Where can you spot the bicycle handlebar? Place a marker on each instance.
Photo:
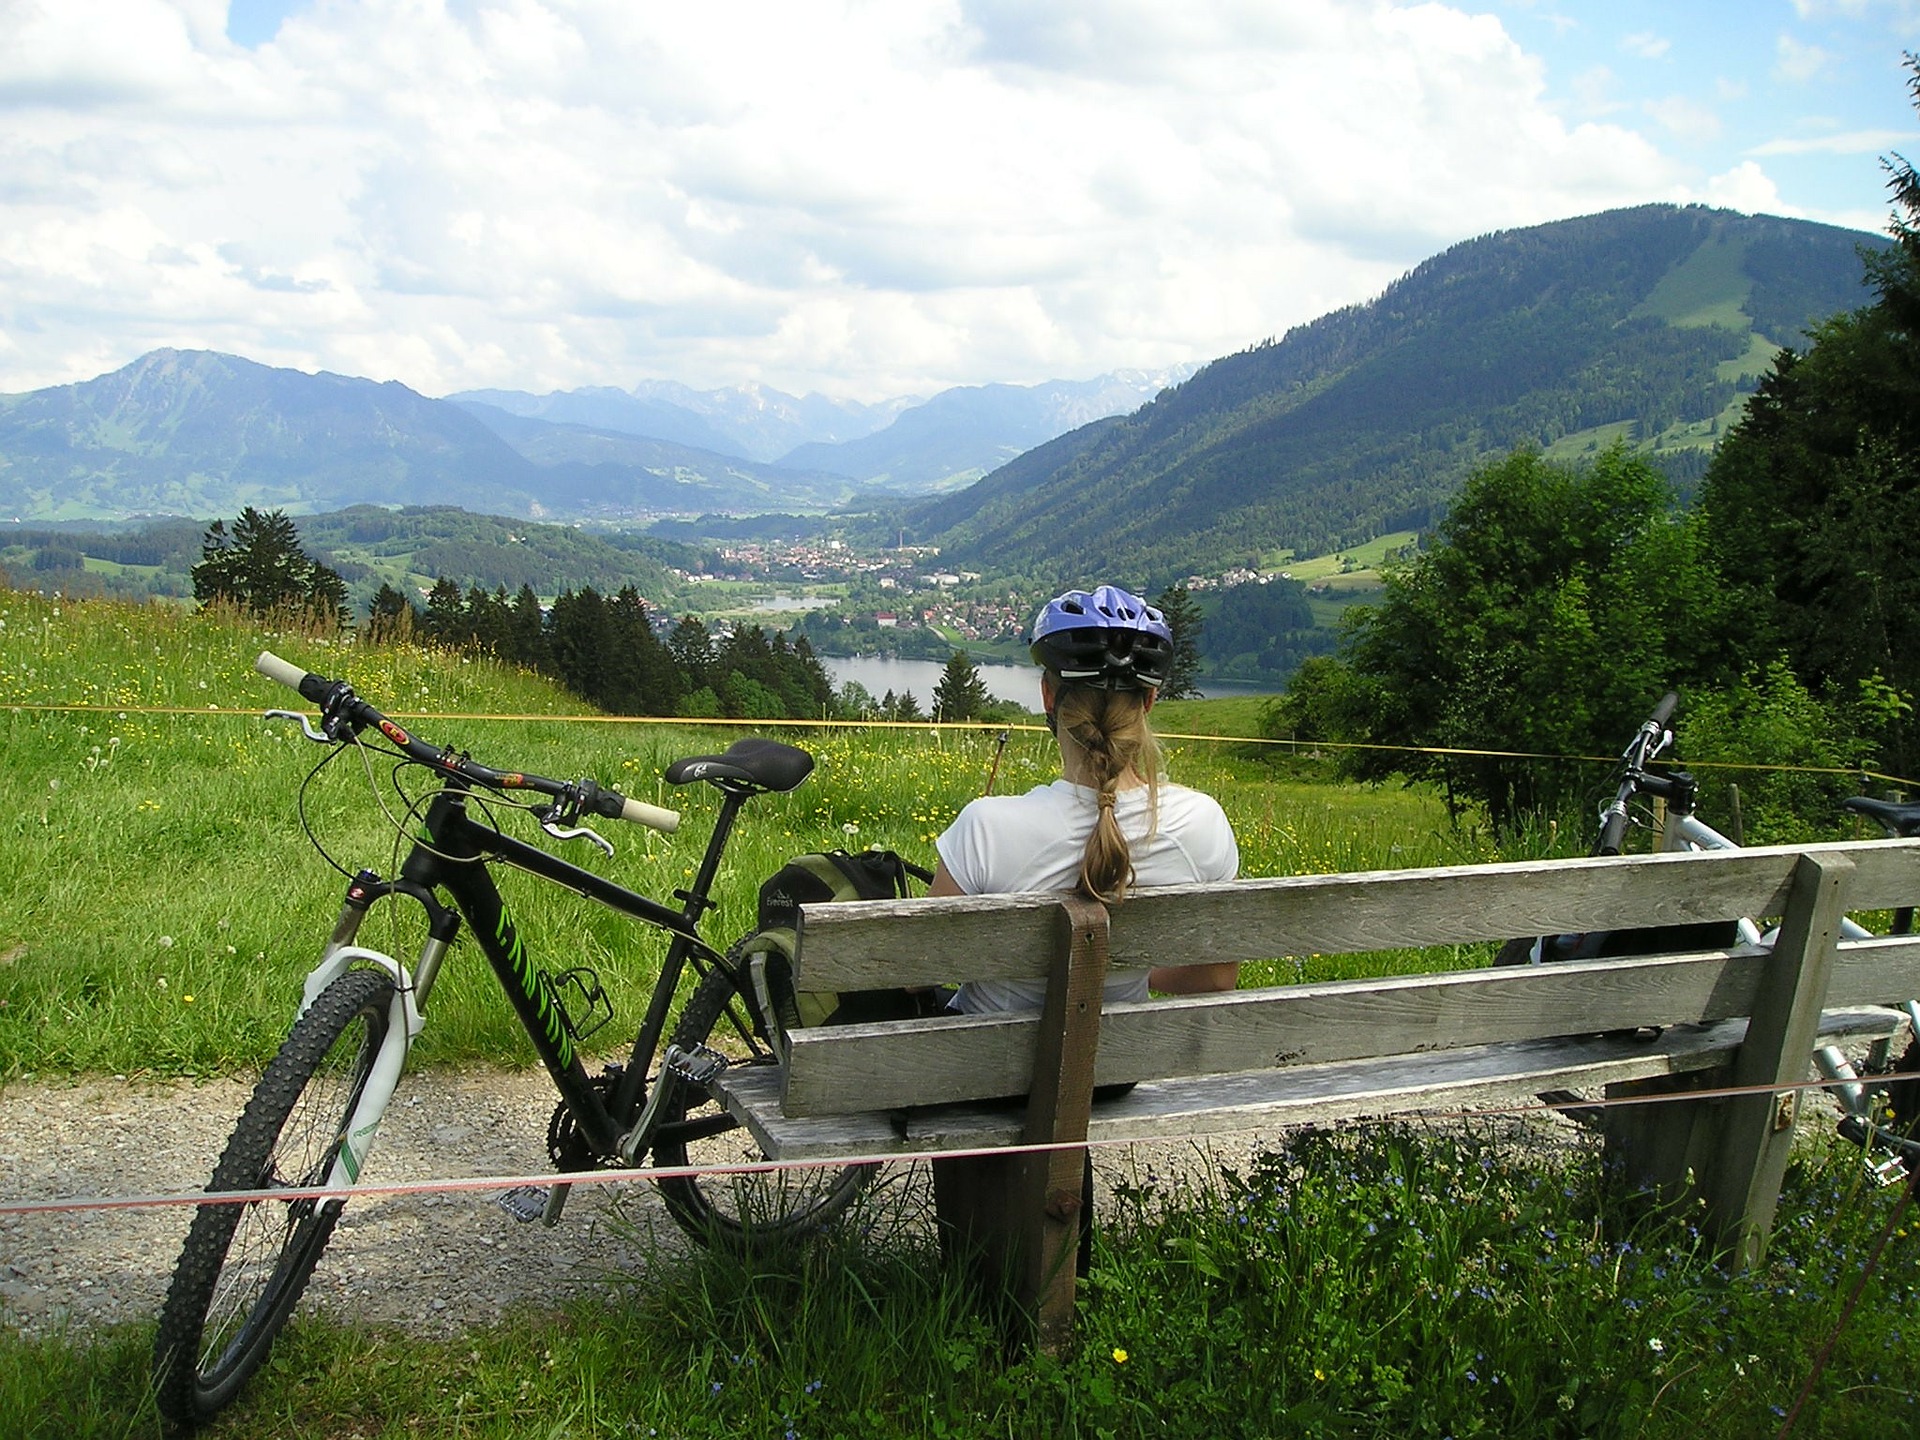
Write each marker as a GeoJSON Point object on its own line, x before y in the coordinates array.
{"type": "Point", "coordinates": [1647, 742]}
{"type": "Point", "coordinates": [341, 711]}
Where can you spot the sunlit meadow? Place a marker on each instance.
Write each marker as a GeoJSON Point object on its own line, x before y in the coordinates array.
{"type": "Point", "coordinates": [164, 900]}
{"type": "Point", "coordinates": [165, 896]}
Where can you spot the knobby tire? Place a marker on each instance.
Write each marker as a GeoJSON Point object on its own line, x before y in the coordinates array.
{"type": "Point", "coordinates": [243, 1267]}
{"type": "Point", "coordinates": [734, 1212]}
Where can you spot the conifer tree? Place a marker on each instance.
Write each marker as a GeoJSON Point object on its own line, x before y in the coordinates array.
{"type": "Point", "coordinates": [961, 693]}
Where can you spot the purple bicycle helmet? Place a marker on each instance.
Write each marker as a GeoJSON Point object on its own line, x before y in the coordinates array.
{"type": "Point", "coordinates": [1105, 637]}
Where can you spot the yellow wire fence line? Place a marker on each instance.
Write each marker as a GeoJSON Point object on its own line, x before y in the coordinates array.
{"type": "Point", "coordinates": [716, 721]}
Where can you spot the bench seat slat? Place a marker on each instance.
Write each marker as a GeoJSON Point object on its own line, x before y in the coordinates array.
{"type": "Point", "coordinates": [877, 943]}
{"type": "Point", "coordinates": [1290, 1095]}
{"type": "Point", "coordinates": [847, 1069]}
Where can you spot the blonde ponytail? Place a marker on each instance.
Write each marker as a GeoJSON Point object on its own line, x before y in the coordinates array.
{"type": "Point", "coordinates": [1109, 728]}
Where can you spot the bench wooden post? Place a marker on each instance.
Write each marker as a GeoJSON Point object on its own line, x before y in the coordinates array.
{"type": "Point", "coordinates": [1732, 1152]}
{"type": "Point", "coordinates": [1021, 1215]}
{"type": "Point", "coordinates": [1743, 1186]}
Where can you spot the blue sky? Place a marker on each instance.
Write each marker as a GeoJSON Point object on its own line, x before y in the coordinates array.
{"type": "Point", "coordinates": [1811, 93]}
{"type": "Point", "coordinates": [866, 199]}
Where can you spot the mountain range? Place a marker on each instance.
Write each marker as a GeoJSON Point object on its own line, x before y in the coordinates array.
{"type": "Point", "coordinates": [1646, 325]}
{"type": "Point", "coordinates": [181, 432]}
{"type": "Point", "coordinates": [904, 446]}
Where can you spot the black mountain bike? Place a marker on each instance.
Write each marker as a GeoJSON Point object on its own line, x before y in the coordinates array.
{"type": "Point", "coordinates": [316, 1109]}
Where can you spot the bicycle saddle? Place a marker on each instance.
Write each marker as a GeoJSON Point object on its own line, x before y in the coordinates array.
{"type": "Point", "coordinates": [1901, 817]}
{"type": "Point", "coordinates": [761, 764]}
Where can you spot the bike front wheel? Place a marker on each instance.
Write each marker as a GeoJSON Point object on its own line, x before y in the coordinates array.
{"type": "Point", "coordinates": [734, 1211]}
{"type": "Point", "coordinates": [244, 1265]}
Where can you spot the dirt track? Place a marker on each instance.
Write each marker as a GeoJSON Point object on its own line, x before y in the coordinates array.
{"type": "Point", "coordinates": [435, 1263]}
{"type": "Point", "coordinates": [442, 1262]}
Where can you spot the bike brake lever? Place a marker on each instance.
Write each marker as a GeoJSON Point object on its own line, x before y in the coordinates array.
{"type": "Point", "coordinates": [306, 725]}
{"type": "Point", "coordinates": [579, 832]}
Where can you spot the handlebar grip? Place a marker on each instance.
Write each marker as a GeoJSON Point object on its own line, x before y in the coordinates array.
{"type": "Point", "coordinates": [312, 687]}
{"type": "Point", "coordinates": [1663, 712]}
{"type": "Point", "coordinates": [274, 668]}
{"type": "Point", "coordinates": [638, 812]}
{"type": "Point", "coordinates": [1613, 833]}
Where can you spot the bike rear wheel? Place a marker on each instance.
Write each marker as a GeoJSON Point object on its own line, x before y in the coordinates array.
{"type": "Point", "coordinates": [244, 1266]}
{"type": "Point", "coordinates": [736, 1211]}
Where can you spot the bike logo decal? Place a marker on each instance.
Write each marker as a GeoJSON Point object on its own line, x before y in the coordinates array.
{"type": "Point", "coordinates": [394, 733]}
{"type": "Point", "coordinates": [534, 986]}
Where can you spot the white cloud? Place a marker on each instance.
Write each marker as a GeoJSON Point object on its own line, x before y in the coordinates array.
{"type": "Point", "coordinates": [820, 194]}
{"type": "Point", "coordinates": [1685, 117]}
{"type": "Point", "coordinates": [1797, 62]}
{"type": "Point", "coordinates": [1646, 45]}
{"type": "Point", "coordinates": [1850, 142]}
{"type": "Point", "coordinates": [1746, 187]}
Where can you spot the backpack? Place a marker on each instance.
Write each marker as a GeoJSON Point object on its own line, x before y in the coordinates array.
{"type": "Point", "coordinates": [824, 877]}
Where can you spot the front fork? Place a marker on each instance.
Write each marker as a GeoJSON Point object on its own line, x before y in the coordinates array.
{"type": "Point", "coordinates": [405, 1017]}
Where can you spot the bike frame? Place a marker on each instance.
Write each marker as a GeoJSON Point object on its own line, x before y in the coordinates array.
{"type": "Point", "coordinates": [454, 855]}
{"type": "Point", "coordinates": [1686, 831]}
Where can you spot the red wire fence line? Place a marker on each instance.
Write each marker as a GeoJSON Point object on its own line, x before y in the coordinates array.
{"type": "Point", "coordinates": [649, 1174]}
{"type": "Point", "coordinates": [976, 726]}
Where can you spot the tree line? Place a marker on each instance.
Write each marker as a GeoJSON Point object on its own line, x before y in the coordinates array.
{"type": "Point", "coordinates": [612, 650]}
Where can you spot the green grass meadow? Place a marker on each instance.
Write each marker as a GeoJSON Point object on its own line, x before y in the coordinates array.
{"type": "Point", "coordinates": [165, 899]}
{"type": "Point", "coordinates": [164, 902]}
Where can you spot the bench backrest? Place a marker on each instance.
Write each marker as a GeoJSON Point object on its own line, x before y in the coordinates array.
{"type": "Point", "coordinates": [872, 944]}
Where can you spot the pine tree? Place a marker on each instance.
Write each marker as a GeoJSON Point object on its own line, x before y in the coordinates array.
{"type": "Point", "coordinates": [445, 622]}
{"type": "Point", "coordinates": [961, 693]}
{"type": "Point", "coordinates": [1186, 622]}
{"type": "Point", "coordinates": [260, 566]}
{"type": "Point", "coordinates": [391, 618]}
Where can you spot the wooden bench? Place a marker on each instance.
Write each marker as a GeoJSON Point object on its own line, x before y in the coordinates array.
{"type": "Point", "coordinates": [1335, 1051]}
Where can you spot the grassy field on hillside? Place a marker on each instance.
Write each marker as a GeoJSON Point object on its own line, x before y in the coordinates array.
{"type": "Point", "coordinates": [165, 902]}
{"type": "Point", "coordinates": [1365, 1280]}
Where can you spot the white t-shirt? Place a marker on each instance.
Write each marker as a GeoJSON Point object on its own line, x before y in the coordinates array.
{"type": "Point", "coordinates": [1012, 843]}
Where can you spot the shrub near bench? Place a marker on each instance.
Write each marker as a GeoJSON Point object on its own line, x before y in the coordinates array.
{"type": "Point", "coordinates": [1210, 1064]}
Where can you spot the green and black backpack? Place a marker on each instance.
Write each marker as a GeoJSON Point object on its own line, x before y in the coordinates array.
{"type": "Point", "coordinates": [824, 877]}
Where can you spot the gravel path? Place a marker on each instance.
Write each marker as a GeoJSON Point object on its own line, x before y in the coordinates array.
{"type": "Point", "coordinates": [444, 1262]}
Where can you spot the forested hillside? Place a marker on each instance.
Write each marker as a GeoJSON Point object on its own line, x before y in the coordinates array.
{"type": "Point", "coordinates": [1651, 322]}
{"type": "Point", "coordinates": [368, 547]}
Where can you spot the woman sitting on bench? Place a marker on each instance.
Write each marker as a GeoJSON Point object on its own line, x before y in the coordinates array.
{"type": "Point", "coordinates": [1112, 821]}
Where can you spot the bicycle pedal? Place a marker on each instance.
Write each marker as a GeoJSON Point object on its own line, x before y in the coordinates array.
{"type": "Point", "coordinates": [1887, 1170]}
{"type": "Point", "coordinates": [697, 1066]}
{"type": "Point", "coordinates": [525, 1203]}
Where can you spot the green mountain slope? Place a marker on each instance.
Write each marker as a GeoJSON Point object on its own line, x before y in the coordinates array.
{"type": "Point", "coordinates": [1649, 322]}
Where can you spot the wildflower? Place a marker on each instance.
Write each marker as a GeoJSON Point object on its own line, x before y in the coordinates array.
{"type": "Point", "coordinates": [187, 999]}
{"type": "Point", "coordinates": [1119, 1356]}
{"type": "Point", "coordinates": [1656, 1345]}
{"type": "Point", "coordinates": [166, 942]}
{"type": "Point", "coordinates": [1318, 1373]}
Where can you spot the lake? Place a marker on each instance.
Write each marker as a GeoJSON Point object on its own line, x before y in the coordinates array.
{"type": "Point", "coordinates": [1018, 683]}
